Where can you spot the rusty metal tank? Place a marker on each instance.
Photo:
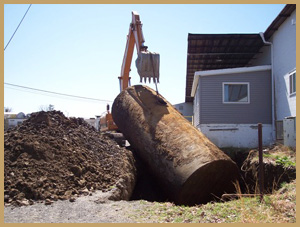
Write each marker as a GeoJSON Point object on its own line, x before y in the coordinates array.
{"type": "Point", "coordinates": [188, 166]}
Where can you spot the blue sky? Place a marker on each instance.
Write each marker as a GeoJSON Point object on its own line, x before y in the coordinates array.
{"type": "Point", "coordinates": [78, 49]}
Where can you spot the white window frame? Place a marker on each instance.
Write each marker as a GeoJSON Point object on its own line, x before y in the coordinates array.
{"type": "Point", "coordinates": [293, 82]}
{"type": "Point", "coordinates": [235, 83]}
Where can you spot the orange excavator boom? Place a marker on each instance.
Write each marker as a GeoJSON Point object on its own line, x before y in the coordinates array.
{"type": "Point", "coordinates": [147, 64]}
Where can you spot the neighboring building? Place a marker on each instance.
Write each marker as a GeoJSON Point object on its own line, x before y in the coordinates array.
{"type": "Point", "coordinates": [236, 81]}
{"type": "Point", "coordinates": [12, 120]}
{"type": "Point", "coordinates": [186, 109]}
{"type": "Point", "coordinates": [95, 122]}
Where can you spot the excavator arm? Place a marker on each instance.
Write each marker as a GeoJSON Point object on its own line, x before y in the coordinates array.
{"type": "Point", "coordinates": [147, 63]}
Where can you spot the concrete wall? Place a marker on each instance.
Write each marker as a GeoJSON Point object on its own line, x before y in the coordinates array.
{"type": "Point", "coordinates": [236, 135]}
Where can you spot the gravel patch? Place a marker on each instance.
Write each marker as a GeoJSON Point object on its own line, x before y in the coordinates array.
{"type": "Point", "coordinates": [85, 209]}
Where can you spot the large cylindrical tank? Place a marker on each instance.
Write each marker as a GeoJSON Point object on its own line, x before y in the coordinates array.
{"type": "Point", "coordinates": [188, 166]}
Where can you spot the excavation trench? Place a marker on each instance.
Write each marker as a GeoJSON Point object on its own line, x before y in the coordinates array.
{"type": "Point", "coordinates": [275, 172]}
{"type": "Point", "coordinates": [148, 188]}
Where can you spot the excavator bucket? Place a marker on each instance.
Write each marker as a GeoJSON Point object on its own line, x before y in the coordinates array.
{"type": "Point", "coordinates": [147, 65]}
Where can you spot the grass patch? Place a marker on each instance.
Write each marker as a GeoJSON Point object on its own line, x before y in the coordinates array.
{"type": "Point", "coordinates": [284, 161]}
{"type": "Point", "coordinates": [279, 207]}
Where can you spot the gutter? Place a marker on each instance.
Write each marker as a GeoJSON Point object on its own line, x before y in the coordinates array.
{"type": "Point", "coordinates": [272, 85]}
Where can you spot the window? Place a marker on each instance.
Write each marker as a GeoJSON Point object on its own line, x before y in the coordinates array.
{"type": "Point", "coordinates": [236, 92]}
{"type": "Point", "coordinates": [292, 79]}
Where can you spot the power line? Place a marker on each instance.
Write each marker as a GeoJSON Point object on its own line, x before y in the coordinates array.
{"type": "Point", "coordinates": [57, 93]}
{"type": "Point", "coordinates": [46, 94]}
{"type": "Point", "coordinates": [17, 27]}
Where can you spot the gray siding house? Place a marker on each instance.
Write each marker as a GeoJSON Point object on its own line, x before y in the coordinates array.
{"type": "Point", "coordinates": [236, 81]}
{"type": "Point", "coordinates": [229, 103]}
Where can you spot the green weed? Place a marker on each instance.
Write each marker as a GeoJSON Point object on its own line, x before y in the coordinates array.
{"type": "Point", "coordinates": [284, 161]}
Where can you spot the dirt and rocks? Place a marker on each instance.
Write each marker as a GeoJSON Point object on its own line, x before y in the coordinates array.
{"type": "Point", "coordinates": [279, 166]}
{"type": "Point", "coordinates": [95, 208]}
{"type": "Point", "coordinates": [50, 157]}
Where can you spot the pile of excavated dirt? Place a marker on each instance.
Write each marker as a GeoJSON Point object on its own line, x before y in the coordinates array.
{"type": "Point", "coordinates": [50, 157]}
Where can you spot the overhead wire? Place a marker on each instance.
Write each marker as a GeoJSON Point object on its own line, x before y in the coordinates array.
{"type": "Point", "coordinates": [47, 94]}
{"type": "Point", "coordinates": [57, 93]}
{"type": "Point", "coordinates": [17, 27]}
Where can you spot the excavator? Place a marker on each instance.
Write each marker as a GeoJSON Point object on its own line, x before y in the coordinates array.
{"type": "Point", "coordinates": [147, 64]}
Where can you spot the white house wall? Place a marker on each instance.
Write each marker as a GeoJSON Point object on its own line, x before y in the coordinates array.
{"type": "Point", "coordinates": [284, 51]}
{"type": "Point", "coordinates": [284, 42]}
{"type": "Point", "coordinates": [236, 135]}
{"type": "Point", "coordinates": [291, 102]}
{"type": "Point", "coordinates": [196, 108]}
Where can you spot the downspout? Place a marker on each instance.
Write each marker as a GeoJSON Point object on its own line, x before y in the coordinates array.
{"type": "Point", "coordinates": [272, 85]}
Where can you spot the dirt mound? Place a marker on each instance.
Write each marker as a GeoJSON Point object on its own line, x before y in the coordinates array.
{"type": "Point", "coordinates": [50, 157]}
